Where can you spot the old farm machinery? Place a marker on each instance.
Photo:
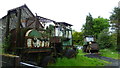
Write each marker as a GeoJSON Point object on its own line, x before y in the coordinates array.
{"type": "Point", "coordinates": [36, 42]}
{"type": "Point", "coordinates": [90, 45]}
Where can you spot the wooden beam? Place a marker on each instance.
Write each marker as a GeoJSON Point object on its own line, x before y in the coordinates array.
{"type": "Point", "coordinates": [18, 40]}
{"type": "Point", "coordinates": [7, 25]}
{"type": "Point", "coordinates": [36, 22]}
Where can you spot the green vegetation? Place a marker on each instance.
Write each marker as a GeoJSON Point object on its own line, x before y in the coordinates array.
{"type": "Point", "coordinates": [110, 53]}
{"type": "Point", "coordinates": [107, 40]}
{"type": "Point", "coordinates": [99, 27]}
{"type": "Point", "coordinates": [1, 50]}
{"type": "Point", "coordinates": [6, 44]}
{"type": "Point", "coordinates": [115, 21]}
{"type": "Point", "coordinates": [80, 60]}
{"type": "Point", "coordinates": [77, 38]}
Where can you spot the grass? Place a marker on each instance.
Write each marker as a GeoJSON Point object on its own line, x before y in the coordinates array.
{"type": "Point", "coordinates": [80, 60]}
{"type": "Point", "coordinates": [110, 53]}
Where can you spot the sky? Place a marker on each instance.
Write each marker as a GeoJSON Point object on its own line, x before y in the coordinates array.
{"type": "Point", "coordinates": [69, 11]}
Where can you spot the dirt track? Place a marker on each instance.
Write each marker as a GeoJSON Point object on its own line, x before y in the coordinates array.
{"type": "Point", "coordinates": [115, 62]}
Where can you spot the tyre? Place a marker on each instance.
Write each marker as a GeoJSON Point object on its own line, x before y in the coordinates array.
{"type": "Point", "coordinates": [70, 53]}
{"type": "Point", "coordinates": [47, 61]}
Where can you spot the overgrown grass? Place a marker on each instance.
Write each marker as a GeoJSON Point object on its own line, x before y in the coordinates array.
{"type": "Point", "coordinates": [80, 60]}
{"type": "Point", "coordinates": [110, 53]}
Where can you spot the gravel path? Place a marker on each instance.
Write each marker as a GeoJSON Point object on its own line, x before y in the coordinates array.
{"type": "Point", "coordinates": [115, 62]}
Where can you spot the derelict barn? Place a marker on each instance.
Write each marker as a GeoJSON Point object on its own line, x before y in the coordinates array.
{"type": "Point", "coordinates": [27, 20]}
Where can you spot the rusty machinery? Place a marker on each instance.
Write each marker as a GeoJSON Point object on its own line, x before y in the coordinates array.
{"type": "Point", "coordinates": [90, 45]}
{"type": "Point", "coordinates": [33, 42]}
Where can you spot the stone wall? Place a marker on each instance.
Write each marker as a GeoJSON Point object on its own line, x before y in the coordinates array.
{"type": "Point", "coordinates": [10, 61]}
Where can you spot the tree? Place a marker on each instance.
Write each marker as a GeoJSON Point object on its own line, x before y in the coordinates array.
{"type": "Point", "coordinates": [88, 27]}
{"type": "Point", "coordinates": [99, 25]}
{"type": "Point", "coordinates": [77, 38]}
{"type": "Point", "coordinates": [94, 26]}
{"type": "Point", "coordinates": [115, 20]}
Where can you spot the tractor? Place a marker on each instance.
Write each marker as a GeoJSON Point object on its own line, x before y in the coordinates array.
{"type": "Point", "coordinates": [90, 45]}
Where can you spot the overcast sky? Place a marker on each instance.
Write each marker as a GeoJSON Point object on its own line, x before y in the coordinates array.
{"type": "Point", "coordinates": [70, 11]}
